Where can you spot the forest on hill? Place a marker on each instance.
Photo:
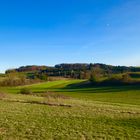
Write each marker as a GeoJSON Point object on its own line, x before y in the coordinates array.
{"type": "Point", "coordinates": [77, 70]}
{"type": "Point", "coordinates": [95, 73]}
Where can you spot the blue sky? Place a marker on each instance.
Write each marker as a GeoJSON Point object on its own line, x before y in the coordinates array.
{"type": "Point", "coordinates": [49, 32]}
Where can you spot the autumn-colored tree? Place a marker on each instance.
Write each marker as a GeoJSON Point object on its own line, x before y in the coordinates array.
{"type": "Point", "coordinates": [96, 73]}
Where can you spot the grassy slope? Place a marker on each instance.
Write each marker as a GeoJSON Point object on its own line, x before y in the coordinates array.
{"type": "Point", "coordinates": [96, 113]}
{"type": "Point", "coordinates": [76, 88]}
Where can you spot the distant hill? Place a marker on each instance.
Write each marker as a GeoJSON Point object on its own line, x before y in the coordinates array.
{"type": "Point", "coordinates": [76, 70]}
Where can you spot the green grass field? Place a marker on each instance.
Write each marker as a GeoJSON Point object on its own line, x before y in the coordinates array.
{"type": "Point", "coordinates": [80, 112]}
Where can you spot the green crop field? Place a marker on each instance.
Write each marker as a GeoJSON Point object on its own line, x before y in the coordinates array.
{"type": "Point", "coordinates": [70, 110]}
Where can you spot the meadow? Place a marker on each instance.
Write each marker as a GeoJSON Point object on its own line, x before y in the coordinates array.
{"type": "Point", "coordinates": [72, 110]}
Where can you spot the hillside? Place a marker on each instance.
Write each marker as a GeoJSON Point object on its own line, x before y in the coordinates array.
{"type": "Point", "coordinates": [77, 70]}
{"type": "Point", "coordinates": [70, 109]}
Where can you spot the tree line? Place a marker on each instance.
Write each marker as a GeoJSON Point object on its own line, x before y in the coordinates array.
{"type": "Point", "coordinates": [77, 70]}
{"type": "Point", "coordinates": [95, 73]}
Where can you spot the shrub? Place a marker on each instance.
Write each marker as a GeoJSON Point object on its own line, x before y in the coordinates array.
{"type": "Point", "coordinates": [126, 78]}
{"type": "Point", "coordinates": [25, 91]}
{"type": "Point", "coordinates": [93, 78]}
